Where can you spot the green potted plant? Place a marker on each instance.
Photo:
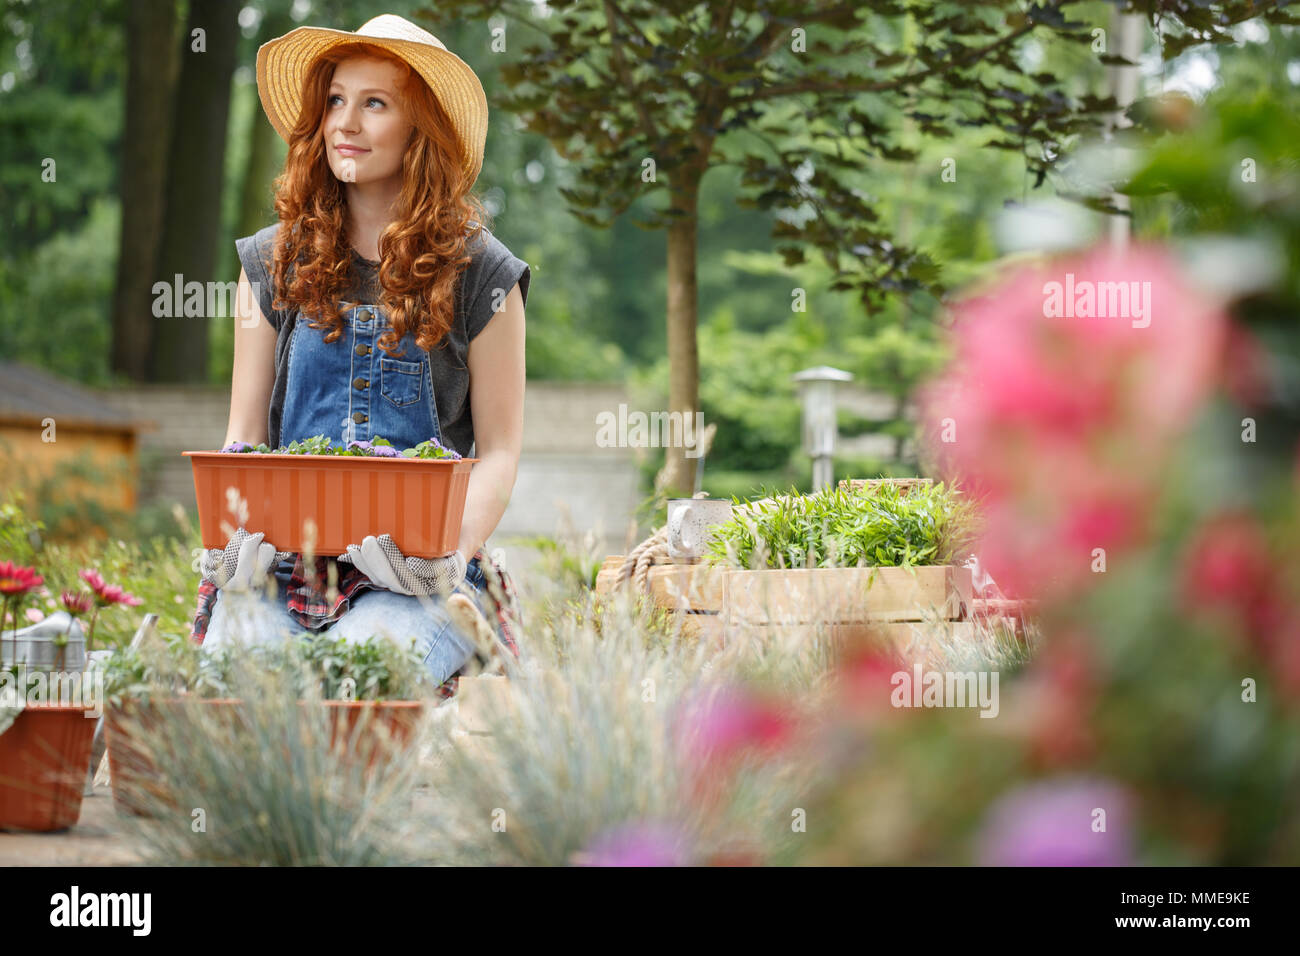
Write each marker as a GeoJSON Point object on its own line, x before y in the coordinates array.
{"type": "Point", "coordinates": [846, 557]}
{"type": "Point", "coordinates": [370, 696]}
{"type": "Point", "coordinates": [143, 685]}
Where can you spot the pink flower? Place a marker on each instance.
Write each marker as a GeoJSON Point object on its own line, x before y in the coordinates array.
{"type": "Point", "coordinates": [77, 602]}
{"type": "Point", "coordinates": [1227, 564]}
{"type": "Point", "coordinates": [93, 579]}
{"type": "Point", "coordinates": [107, 594]}
{"type": "Point", "coordinates": [1060, 415]}
{"type": "Point", "coordinates": [1057, 823]}
{"type": "Point", "coordinates": [864, 681]}
{"type": "Point", "coordinates": [728, 721]}
{"type": "Point", "coordinates": [16, 580]}
{"type": "Point", "coordinates": [112, 594]}
{"type": "Point", "coordinates": [637, 844]}
{"type": "Point", "coordinates": [35, 615]}
{"type": "Point", "coordinates": [1247, 368]}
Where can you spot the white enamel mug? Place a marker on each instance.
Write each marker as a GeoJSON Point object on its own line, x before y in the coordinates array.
{"type": "Point", "coordinates": [689, 522]}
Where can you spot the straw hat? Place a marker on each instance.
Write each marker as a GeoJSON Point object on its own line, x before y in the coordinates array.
{"type": "Point", "coordinates": [283, 62]}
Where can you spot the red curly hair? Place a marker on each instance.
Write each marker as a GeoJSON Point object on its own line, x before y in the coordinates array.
{"type": "Point", "coordinates": [422, 251]}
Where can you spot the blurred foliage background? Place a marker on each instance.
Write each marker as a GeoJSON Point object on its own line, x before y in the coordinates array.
{"type": "Point", "coordinates": [63, 66]}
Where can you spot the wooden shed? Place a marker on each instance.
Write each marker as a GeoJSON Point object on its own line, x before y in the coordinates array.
{"type": "Point", "coordinates": [61, 442]}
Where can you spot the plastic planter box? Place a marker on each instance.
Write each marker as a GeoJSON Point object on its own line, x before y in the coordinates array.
{"type": "Point", "coordinates": [44, 757]}
{"type": "Point", "coordinates": [376, 731]}
{"type": "Point", "coordinates": [419, 501]}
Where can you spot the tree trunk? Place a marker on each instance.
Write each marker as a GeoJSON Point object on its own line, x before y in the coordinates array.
{"type": "Point", "coordinates": [678, 477]}
{"type": "Point", "coordinates": [196, 172]}
{"type": "Point", "coordinates": [1122, 82]}
{"type": "Point", "coordinates": [256, 207]}
{"type": "Point", "coordinates": [150, 80]}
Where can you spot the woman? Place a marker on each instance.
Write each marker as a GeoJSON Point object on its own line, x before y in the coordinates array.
{"type": "Point", "coordinates": [377, 305]}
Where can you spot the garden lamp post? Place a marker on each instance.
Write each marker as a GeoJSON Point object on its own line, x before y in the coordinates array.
{"type": "Point", "coordinates": [817, 386]}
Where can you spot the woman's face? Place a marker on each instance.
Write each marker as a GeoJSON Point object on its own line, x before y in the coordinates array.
{"type": "Point", "coordinates": [362, 110]}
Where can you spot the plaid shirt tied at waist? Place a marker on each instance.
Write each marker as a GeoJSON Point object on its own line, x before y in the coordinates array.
{"type": "Point", "coordinates": [308, 601]}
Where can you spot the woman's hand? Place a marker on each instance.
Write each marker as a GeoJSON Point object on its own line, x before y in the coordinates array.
{"type": "Point", "coordinates": [242, 564]}
{"type": "Point", "coordinates": [382, 562]}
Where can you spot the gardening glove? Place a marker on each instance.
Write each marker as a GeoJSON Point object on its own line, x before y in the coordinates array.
{"type": "Point", "coordinates": [242, 565]}
{"type": "Point", "coordinates": [382, 562]}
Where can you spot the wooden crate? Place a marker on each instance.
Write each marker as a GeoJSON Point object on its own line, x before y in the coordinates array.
{"type": "Point", "coordinates": [845, 595]}
{"type": "Point", "coordinates": [885, 634]}
{"type": "Point", "coordinates": [676, 587]}
{"type": "Point", "coordinates": [484, 695]}
{"type": "Point", "coordinates": [905, 485]}
{"type": "Point", "coordinates": [608, 573]}
{"type": "Point", "coordinates": [687, 587]}
{"type": "Point", "coordinates": [478, 696]}
{"type": "Point", "coordinates": [712, 602]}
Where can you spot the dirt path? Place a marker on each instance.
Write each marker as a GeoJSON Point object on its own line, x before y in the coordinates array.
{"type": "Point", "coordinates": [96, 840]}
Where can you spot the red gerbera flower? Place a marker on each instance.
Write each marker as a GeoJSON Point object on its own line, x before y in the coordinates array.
{"type": "Point", "coordinates": [112, 594]}
{"type": "Point", "coordinates": [77, 602]}
{"type": "Point", "coordinates": [15, 580]}
{"type": "Point", "coordinates": [94, 579]}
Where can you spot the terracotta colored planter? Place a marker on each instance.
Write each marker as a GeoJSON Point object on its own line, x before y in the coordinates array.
{"type": "Point", "coordinates": [44, 757]}
{"type": "Point", "coordinates": [373, 729]}
{"type": "Point", "coordinates": [363, 729]}
{"type": "Point", "coordinates": [136, 784]}
{"type": "Point", "coordinates": [419, 501]}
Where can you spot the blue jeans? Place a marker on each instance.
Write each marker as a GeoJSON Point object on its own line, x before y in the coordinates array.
{"type": "Point", "coordinates": [240, 617]}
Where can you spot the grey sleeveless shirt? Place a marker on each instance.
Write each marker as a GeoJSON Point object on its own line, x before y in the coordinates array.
{"type": "Point", "coordinates": [492, 267]}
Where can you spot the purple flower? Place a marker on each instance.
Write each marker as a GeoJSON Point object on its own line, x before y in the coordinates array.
{"type": "Point", "coordinates": [1057, 823]}
{"type": "Point", "coordinates": [238, 446]}
{"type": "Point", "coordinates": [373, 450]}
{"type": "Point", "coordinates": [635, 844]}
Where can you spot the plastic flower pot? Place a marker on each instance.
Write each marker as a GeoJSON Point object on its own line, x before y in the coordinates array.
{"type": "Point", "coordinates": [43, 760]}
{"type": "Point", "coordinates": [419, 501]}
{"type": "Point", "coordinates": [369, 730]}
{"type": "Point", "coordinates": [372, 729]}
{"type": "Point", "coordinates": [137, 786]}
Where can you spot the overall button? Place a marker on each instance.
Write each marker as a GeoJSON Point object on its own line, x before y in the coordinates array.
{"type": "Point", "coordinates": [362, 350]}
{"type": "Point", "coordinates": [359, 417]}
{"type": "Point", "coordinates": [359, 382]}
{"type": "Point", "coordinates": [365, 315]}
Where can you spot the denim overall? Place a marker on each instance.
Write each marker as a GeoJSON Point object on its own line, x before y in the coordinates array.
{"type": "Point", "coordinates": [352, 390]}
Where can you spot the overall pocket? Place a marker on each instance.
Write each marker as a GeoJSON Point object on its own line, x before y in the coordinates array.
{"type": "Point", "coordinates": [399, 382]}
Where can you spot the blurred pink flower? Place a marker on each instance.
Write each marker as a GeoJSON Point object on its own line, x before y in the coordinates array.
{"type": "Point", "coordinates": [77, 602]}
{"type": "Point", "coordinates": [35, 615]}
{"type": "Point", "coordinates": [1230, 568]}
{"type": "Point", "coordinates": [16, 580]}
{"type": "Point", "coordinates": [107, 594]}
{"type": "Point", "coordinates": [1247, 368]}
{"type": "Point", "coordinates": [864, 681]}
{"type": "Point", "coordinates": [1061, 423]}
{"type": "Point", "coordinates": [94, 579]}
{"type": "Point", "coordinates": [1227, 564]}
{"type": "Point", "coordinates": [636, 844]}
{"type": "Point", "coordinates": [1063, 685]}
{"type": "Point", "coordinates": [112, 594]}
{"type": "Point", "coordinates": [727, 721]}
{"type": "Point", "coordinates": [1055, 823]}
